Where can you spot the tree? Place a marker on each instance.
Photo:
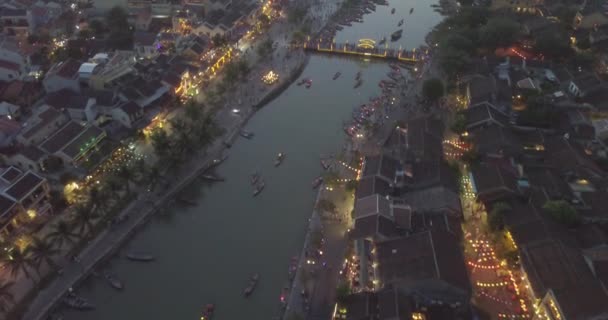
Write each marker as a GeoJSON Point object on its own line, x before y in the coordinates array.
{"type": "Point", "coordinates": [6, 296]}
{"type": "Point", "coordinates": [61, 234]}
{"type": "Point", "coordinates": [219, 40]}
{"type": "Point", "coordinates": [127, 174]}
{"type": "Point", "coordinates": [84, 34]}
{"type": "Point", "coordinates": [265, 48]}
{"type": "Point", "coordinates": [264, 19]}
{"type": "Point", "coordinates": [97, 27]}
{"type": "Point", "coordinates": [459, 125]}
{"type": "Point", "coordinates": [496, 217]}
{"type": "Point", "coordinates": [243, 68]}
{"type": "Point", "coordinates": [121, 33]}
{"type": "Point", "coordinates": [499, 32]}
{"type": "Point", "coordinates": [453, 61]}
{"type": "Point", "coordinates": [84, 218]}
{"type": "Point", "coordinates": [42, 251]}
{"type": "Point", "coordinates": [562, 212]}
{"type": "Point", "coordinates": [98, 197]}
{"type": "Point", "coordinates": [352, 185]}
{"type": "Point", "coordinates": [153, 176]}
{"type": "Point", "coordinates": [342, 291]}
{"type": "Point", "coordinates": [554, 43]}
{"type": "Point", "coordinates": [19, 262]}
{"type": "Point", "coordinates": [296, 14]}
{"type": "Point", "coordinates": [326, 205]}
{"type": "Point", "coordinates": [432, 89]}
{"type": "Point", "coordinates": [161, 143]}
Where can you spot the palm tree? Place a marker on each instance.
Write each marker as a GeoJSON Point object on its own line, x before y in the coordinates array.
{"type": "Point", "coordinates": [127, 175]}
{"type": "Point", "coordinates": [6, 296]}
{"type": "Point", "coordinates": [19, 261]}
{"type": "Point", "coordinates": [42, 251]}
{"type": "Point", "coordinates": [61, 233]}
{"type": "Point", "coordinates": [112, 186]}
{"type": "Point", "coordinates": [153, 176]}
{"type": "Point", "coordinates": [83, 219]}
{"type": "Point", "coordinates": [98, 198]}
{"type": "Point", "coordinates": [193, 111]}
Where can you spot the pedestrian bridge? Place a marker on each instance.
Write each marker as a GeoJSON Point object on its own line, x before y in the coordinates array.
{"type": "Point", "coordinates": [365, 48]}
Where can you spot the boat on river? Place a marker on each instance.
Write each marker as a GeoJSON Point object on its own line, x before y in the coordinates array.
{"type": "Point", "coordinates": [400, 23]}
{"type": "Point", "coordinates": [279, 159]}
{"type": "Point", "coordinates": [254, 178]}
{"type": "Point", "coordinates": [113, 281]}
{"type": "Point", "coordinates": [308, 84]}
{"type": "Point", "coordinates": [358, 83]}
{"type": "Point", "coordinates": [317, 182]}
{"type": "Point", "coordinates": [337, 75]}
{"type": "Point", "coordinates": [253, 281]}
{"type": "Point", "coordinates": [208, 313]}
{"type": "Point", "coordinates": [325, 164]}
{"type": "Point", "coordinates": [258, 188]}
{"type": "Point", "coordinates": [393, 11]}
{"type": "Point", "coordinates": [246, 134]}
{"type": "Point", "coordinates": [411, 10]}
{"type": "Point", "coordinates": [303, 81]}
{"type": "Point", "coordinates": [141, 257]}
{"type": "Point", "coordinates": [396, 35]}
{"type": "Point", "coordinates": [77, 303]}
{"type": "Point", "coordinates": [358, 76]}
{"type": "Point", "coordinates": [382, 41]}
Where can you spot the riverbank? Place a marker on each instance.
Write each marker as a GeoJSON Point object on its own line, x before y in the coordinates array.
{"type": "Point", "coordinates": [143, 207]}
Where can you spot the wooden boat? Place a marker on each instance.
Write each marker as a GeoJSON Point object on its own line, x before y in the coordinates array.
{"type": "Point", "coordinates": [77, 303]}
{"type": "Point", "coordinates": [141, 257]}
{"type": "Point", "coordinates": [317, 182]}
{"type": "Point", "coordinates": [279, 159]}
{"type": "Point", "coordinates": [301, 82]}
{"type": "Point", "coordinates": [396, 35]}
{"type": "Point", "coordinates": [308, 84]}
{"type": "Point", "coordinates": [382, 41]}
{"type": "Point", "coordinates": [411, 10]}
{"type": "Point", "coordinates": [246, 134]}
{"type": "Point", "coordinates": [358, 83]}
{"type": "Point", "coordinates": [325, 165]}
{"type": "Point", "coordinates": [393, 11]}
{"type": "Point", "coordinates": [254, 178]}
{"type": "Point", "coordinates": [358, 76]}
{"type": "Point", "coordinates": [253, 281]}
{"type": "Point", "coordinates": [258, 188]}
{"type": "Point", "coordinates": [208, 313]}
{"type": "Point", "coordinates": [113, 281]}
{"type": "Point", "coordinates": [400, 23]}
{"type": "Point", "coordinates": [337, 75]}
{"type": "Point", "coordinates": [211, 177]}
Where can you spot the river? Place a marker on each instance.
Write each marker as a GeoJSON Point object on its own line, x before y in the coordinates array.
{"type": "Point", "coordinates": [205, 253]}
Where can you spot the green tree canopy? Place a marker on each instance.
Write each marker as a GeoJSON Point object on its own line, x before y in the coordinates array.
{"type": "Point", "coordinates": [499, 32]}
{"type": "Point", "coordinates": [433, 89]}
{"type": "Point", "coordinates": [554, 43]}
{"type": "Point", "coordinates": [121, 33]}
{"type": "Point", "coordinates": [562, 212]}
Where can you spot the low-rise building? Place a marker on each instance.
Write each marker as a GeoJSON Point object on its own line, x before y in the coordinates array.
{"type": "Point", "coordinates": [41, 125]}
{"type": "Point", "coordinates": [23, 197]}
{"type": "Point", "coordinates": [145, 44]}
{"type": "Point", "coordinates": [128, 114]}
{"type": "Point", "coordinates": [73, 142]}
{"type": "Point", "coordinates": [16, 21]}
{"type": "Point", "coordinates": [63, 75]}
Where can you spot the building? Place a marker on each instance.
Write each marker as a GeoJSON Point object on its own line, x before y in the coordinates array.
{"type": "Point", "coordinates": [584, 84]}
{"type": "Point", "coordinates": [113, 70]}
{"type": "Point", "coordinates": [63, 75]}
{"type": "Point", "coordinates": [593, 14]}
{"type": "Point", "coordinates": [9, 110]}
{"type": "Point", "coordinates": [145, 44]}
{"type": "Point", "coordinates": [560, 278]}
{"type": "Point", "coordinates": [128, 114]}
{"type": "Point", "coordinates": [73, 142]}
{"type": "Point", "coordinates": [23, 197]}
{"type": "Point", "coordinates": [41, 125]}
{"type": "Point", "coordinates": [9, 71]}
{"type": "Point", "coordinates": [16, 22]}
{"type": "Point", "coordinates": [430, 263]}
{"type": "Point", "coordinates": [493, 182]}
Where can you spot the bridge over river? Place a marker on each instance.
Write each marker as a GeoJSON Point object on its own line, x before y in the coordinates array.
{"type": "Point", "coordinates": [366, 48]}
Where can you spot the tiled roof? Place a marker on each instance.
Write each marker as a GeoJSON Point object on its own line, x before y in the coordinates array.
{"type": "Point", "coordinates": [62, 137]}
{"type": "Point", "coordinates": [6, 205]}
{"type": "Point", "coordinates": [24, 186]}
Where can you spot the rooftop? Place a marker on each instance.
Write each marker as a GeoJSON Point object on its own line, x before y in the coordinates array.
{"type": "Point", "coordinates": [62, 137]}
{"type": "Point", "coordinates": [24, 186]}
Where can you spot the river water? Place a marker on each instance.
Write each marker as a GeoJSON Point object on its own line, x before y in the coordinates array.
{"type": "Point", "coordinates": [205, 253]}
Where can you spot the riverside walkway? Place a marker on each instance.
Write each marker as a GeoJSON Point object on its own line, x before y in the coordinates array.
{"type": "Point", "coordinates": [365, 48]}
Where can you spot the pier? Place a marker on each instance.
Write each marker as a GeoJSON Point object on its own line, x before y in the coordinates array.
{"type": "Point", "coordinates": [365, 48]}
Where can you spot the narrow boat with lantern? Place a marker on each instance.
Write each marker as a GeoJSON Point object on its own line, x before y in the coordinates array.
{"type": "Point", "coordinates": [279, 159]}
{"type": "Point", "coordinates": [396, 35]}
{"type": "Point", "coordinates": [257, 189]}
{"type": "Point", "coordinates": [253, 281]}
